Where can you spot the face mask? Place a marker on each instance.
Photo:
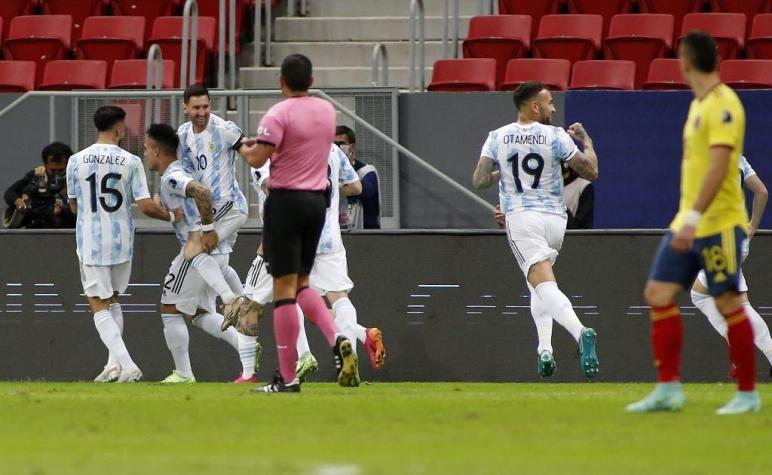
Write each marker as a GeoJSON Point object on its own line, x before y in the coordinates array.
{"type": "Point", "coordinates": [346, 149]}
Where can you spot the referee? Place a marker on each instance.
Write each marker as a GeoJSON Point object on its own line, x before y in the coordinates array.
{"type": "Point", "coordinates": [296, 134]}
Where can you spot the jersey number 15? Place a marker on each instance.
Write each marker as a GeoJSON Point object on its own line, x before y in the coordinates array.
{"type": "Point", "coordinates": [105, 190]}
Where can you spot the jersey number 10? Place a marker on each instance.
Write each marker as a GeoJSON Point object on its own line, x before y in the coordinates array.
{"type": "Point", "coordinates": [535, 172]}
{"type": "Point", "coordinates": [105, 190]}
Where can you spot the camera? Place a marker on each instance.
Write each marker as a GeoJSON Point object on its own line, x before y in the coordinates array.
{"type": "Point", "coordinates": [45, 192]}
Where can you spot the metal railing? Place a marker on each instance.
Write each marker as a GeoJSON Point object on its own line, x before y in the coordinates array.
{"type": "Point", "coordinates": [258, 45]}
{"type": "Point", "coordinates": [380, 64]}
{"type": "Point", "coordinates": [446, 17]}
{"type": "Point", "coordinates": [154, 81]}
{"type": "Point", "coordinates": [189, 43]}
{"type": "Point", "coordinates": [417, 13]}
{"type": "Point", "coordinates": [302, 11]}
{"type": "Point", "coordinates": [488, 7]}
{"type": "Point", "coordinates": [231, 35]}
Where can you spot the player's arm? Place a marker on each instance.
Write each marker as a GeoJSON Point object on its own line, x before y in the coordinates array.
{"type": "Point", "coordinates": [351, 189]}
{"type": "Point", "coordinates": [760, 197]}
{"type": "Point", "coordinates": [485, 174]}
{"type": "Point", "coordinates": [152, 209]}
{"type": "Point", "coordinates": [73, 205]}
{"type": "Point", "coordinates": [584, 162]}
{"type": "Point", "coordinates": [256, 153]}
{"type": "Point", "coordinates": [203, 198]}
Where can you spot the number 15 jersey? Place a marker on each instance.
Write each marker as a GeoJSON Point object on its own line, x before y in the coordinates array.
{"type": "Point", "coordinates": [529, 158]}
{"type": "Point", "coordinates": [104, 178]}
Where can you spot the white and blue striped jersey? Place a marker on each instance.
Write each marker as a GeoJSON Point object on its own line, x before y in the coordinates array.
{"type": "Point", "coordinates": [104, 178]}
{"type": "Point", "coordinates": [211, 158]}
{"type": "Point", "coordinates": [340, 172]}
{"type": "Point", "coordinates": [173, 184]}
{"type": "Point", "coordinates": [529, 158]}
{"type": "Point", "coordinates": [746, 171]}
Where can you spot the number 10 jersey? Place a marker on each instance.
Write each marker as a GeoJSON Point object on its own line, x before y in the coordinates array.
{"type": "Point", "coordinates": [104, 178]}
{"type": "Point", "coordinates": [529, 158]}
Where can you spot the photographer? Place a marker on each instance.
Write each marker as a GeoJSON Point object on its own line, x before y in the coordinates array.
{"type": "Point", "coordinates": [39, 199]}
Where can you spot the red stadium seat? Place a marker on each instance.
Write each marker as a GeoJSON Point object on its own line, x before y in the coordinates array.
{"type": "Point", "coordinates": [1, 32]}
{"type": "Point", "coordinates": [150, 9]}
{"type": "Point", "coordinates": [111, 37]}
{"type": "Point", "coordinates": [603, 75]}
{"type": "Point", "coordinates": [17, 76]}
{"type": "Point", "coordinates": [640, 38]}
{"type": "Point", "coordinates": [571, 37]}
{"type": "Point", "coordinates": [167, 33]}
{"type": "Point", "coordinates": [750, 8]}
{"type": "Point", "coordinates": [464, 75]}
{"type": "Point", "coordinates": [79, 10]}
{"type": "Point", "coordinates": [76, 74]}
{"type": "Point", "coordinates": [10, 9]}
{"type": "Point", "coordinates": [534, 8]}
{"type": "Point", "coordinates": [132, 74]}
{"type": "Point", "coordinates": [747, 74]}
{"type": "Point", "coordinates": [40, 38]}
{"type": "Point", "coordinates": [760, 40]}
{"type": "Point", "coordinates": [501, 37]}
{"type": "Point", "coordinates": [665, 74]}
{"type": "Point", "coordinates": [605, 8]}
{"type": "Point", "coordinates": [727, 28]}
{"type": "Point", "coordinates": [677, 8]}
{"type": "Point", "coordinates": [552, 72]}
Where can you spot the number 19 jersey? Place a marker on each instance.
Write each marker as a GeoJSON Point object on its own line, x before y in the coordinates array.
{"type": "Point", "coordinates": [529, 158]}
{"type": "Point", "coordinates": [103, 178]}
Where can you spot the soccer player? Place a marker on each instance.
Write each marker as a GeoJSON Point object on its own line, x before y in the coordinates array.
{"type": "Point", "coordinates": [708, 233]}
{"type": "Point", "coordinates": [101, 180]}
{"type": "Point", "coordinates": [185, 292]}
{"type": "Point", "coordinates": [208, 147]}
{"type": "Point", "coordinates": [700, 295]}
{"type": "Point", "coordinates": [528, 154]}
{"type": "Point", "coordinates": [296, 135]}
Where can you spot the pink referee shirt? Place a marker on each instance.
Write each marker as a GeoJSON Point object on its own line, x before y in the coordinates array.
{"type": "Point", "coordinates": [302, 129]}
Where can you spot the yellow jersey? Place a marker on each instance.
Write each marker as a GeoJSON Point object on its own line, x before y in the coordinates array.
{"type": "Point", "coordinates": [716, 119]}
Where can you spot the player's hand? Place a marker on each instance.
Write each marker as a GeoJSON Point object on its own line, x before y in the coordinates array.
{"type": "Point", "coordinates": [751, 232]}
{"type": "Point", "coordinates": [21, 202]}
{"type": "Point", "coordinates": [178, 214]}
{"type": "Point", "coordinates": [209, 241]}
{"type": "Point", "coordinates": [500, 216]}
{"type": "Point", "coordinates": [683, 240]}
{"type": "Point", "coordinates": [577, 132]}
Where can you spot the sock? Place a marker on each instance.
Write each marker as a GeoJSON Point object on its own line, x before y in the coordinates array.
{"type": "Point", "coordinates": [741, 349]}
{"type": "Point", "coordinates": [314, 308]}
{"type": "Point", "coordinates": [302, 344]}
{"type": "Point", "coordinates": [286, 328]}
{"type": "Point", "coordinates": [707, 305]}
{"type": "Point", "coordinates": [117, 314]}
{"type": "Point", "coordinates": [543, 322]}
{"type": "Point", "coordinates": [346, 319]}
{"type": "Point", "coordinates": [111, 337]}
{"type": "Point", "coordinates": [247, 354]}
{"type": "Point", "coordinates": [178, 340]}
{"type": "Point", "coordinates": [761, 335]}
{"type": "Point", "coordinates": [667, 336]}
{"type": "Point", "coordinates": [211, 323]}
{"type": "Point", "coordinates": [210, 272]}
{"type": "Point", "coordinates": [557, 305]}
{"type": "Point", "coordinates": [259, 284]}
{"type": "Point", "coordinates": [233, 281]}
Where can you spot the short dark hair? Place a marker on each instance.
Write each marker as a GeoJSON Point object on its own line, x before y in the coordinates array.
{"type": "Point", "coordinates": [701, 50]}
{"type": "Point", "coordinates": [194, 90]}
{"type": "Point", "coordinates": [106, 117]}
{"type": "Point", "coordinates": [57, 151]}
{"type": "Point", "coordinates": [527, 91]}
{"type": "Point", "coordinates": [165, 136]}
{"type": "Point", "coordinates": [297, 72]}
{"type": "Point", "coordinates": [346, 130]}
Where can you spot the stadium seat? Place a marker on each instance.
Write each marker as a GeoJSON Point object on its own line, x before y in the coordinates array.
{"type": "Point", "coordinates": [17, 76]}
{"type": "Point", "coordinates": [40, 38]}
{"type": "Point", "coordinates": [747, 74]}
{"type": "Point", "coordinates": [1, 33]}
{"type": "Point", "coordinates": [606, 8]}
{"type": "Point", "coordinates": [167, 33]}
{"type": "Point", "coordinates": [639, 38]}
{"type": "Point", "coordinates": [552, 72]}
{"type": "Point", "coordinates": [79, 10]}
{"type": "Point", "coordinates": [111, 37]}
{"type": "Point", "coordinates": [759, 44]}
{"type": "Point", "coordinates": [679, 9]}
{"type": "Point", "coordinates": [603, 75]}
{"type": "Point", "coordinates": [132, 74]}
{"type": "Point", "coordinates": [727, 28]}
{"type": "Point", "coordinates": [750, 8]}
{"type": "Point", "coordinates": [10, 9]}
{"type": "Point", "coordinates": [665, 74]}
{"type": "Point", "coordinates": [571, 37]}
{"type": "Point", "coordinates": [534, 8]}
{"type": "Point", "coordinates": [144, 8]}
{"type": "Point", "coordinates": [68, 75]}
{"type": "Point", "coordinates": [501, 37]}
{"type": "Point", "coordinates": [464, 75]}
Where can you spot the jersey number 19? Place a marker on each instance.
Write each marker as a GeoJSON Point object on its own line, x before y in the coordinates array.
{"type": "Point", "coordinates": [532, 164]}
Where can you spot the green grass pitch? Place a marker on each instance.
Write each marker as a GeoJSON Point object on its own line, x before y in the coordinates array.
{"type": "Point", "coordinates": [383, 428]}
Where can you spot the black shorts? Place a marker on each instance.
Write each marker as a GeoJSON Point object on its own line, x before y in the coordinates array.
{"type": "Point", "coordinates": [292, 225]}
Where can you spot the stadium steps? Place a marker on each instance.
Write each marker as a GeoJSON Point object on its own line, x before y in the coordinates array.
{"type": "Point", "coordinates": [362, 8]}
{"type": "Point", "coordinates": [328, 77]}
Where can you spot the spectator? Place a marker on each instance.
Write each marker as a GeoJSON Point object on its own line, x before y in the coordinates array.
{"type": "Point", "coordinates": [364, 210]}
{"type": "Point", "coordinates": [39, 199]}
{"type": "Point", "coordinates": [580, 200]}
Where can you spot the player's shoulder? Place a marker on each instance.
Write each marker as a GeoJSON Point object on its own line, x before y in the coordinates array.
{"type": "Point", "coordinates": [184, 128]}
{"type": "Point", "coordinates": [722, 96]}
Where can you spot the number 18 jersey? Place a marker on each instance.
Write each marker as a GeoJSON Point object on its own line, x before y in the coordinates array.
{"type": "Point", "coordinates": [529, 158]}
{"type": "Point", "coordinates": [104, 178]}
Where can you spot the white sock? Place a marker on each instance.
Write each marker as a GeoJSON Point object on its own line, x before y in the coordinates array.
{"type": "Point", "coordinates": [211, 323]}
{"type": "Point", "coordinates": [111, 337]}
{"type": "Point", "coordinates": [557, 305]}
{"type": "Point", "coordinates": [259, 284]}
{"type": "Point", "coordinates": [247, 354]}
{"type": "Point", "coordinates": [707, 306]}
{"type": "Point", "coordinates": [543, 322]}
{"type": "Point", "coordinates": [117, 314]}
{"type": "Point", "coordinates": [302, 344]}
{"type": "Point", "coordinates": [210, 272]}
{"type": "Point", "coordinates": [760, 331]}
{"type": "Point", "coordinates": [346, 319]}
{"type": "Point", "coordinates": [178, 340]}
{"type": "Point", "coordinates": [233, 281]}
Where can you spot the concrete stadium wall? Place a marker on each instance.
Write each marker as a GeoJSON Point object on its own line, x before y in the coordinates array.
{"type": "Point", "coordinates": [452, 307]}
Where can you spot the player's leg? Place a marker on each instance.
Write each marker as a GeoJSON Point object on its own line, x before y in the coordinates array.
{"type": "Point", "coordinates": [704, 303]}
{"type": "Point", "coordinates": [177, 340]}
{"type": "Point", "coordinates": [307, 363]}
{"type": "Point", "coordinates": [111, 369]}
{"type": "Point", "coordinates": [211, 273]}
{"type": "Point", "coordinates": [546, 365]}
{"type": "Point", "coordinates": [228, 219]}
{"type": "Point", "coordinates": [761, 335]}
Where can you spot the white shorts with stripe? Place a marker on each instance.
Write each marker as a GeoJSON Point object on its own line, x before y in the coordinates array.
{"type": "Point", "coordinates": [330, 273]}
{"type": "Point", "coordinates": [258, 285]}
{"type": "Point", "coordinates": [184, 287]}
{"type": "Point", "coordinates": [227, 221]}
{"type": "Point", "coordinates": [534, 237]}
{"type": "Point", "coordinates": [104, 281]}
